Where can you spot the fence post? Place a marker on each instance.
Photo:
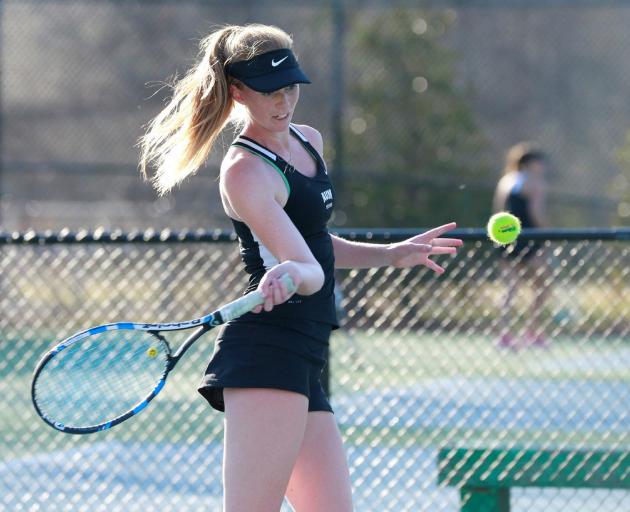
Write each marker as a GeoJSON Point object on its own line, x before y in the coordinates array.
{"type": "Point", "coordinates": [337, 71]}
{"type": "Point", "coordinates": [1, 114]}
{"type": "Point", "coordinates": [337, 100]}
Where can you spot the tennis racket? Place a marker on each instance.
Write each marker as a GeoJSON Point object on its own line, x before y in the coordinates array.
{"type": "Point", "coordinates": [103, 376]}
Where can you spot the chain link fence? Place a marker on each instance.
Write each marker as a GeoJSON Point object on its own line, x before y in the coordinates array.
{"type": "Point", "coordinates": [426, 96]}
{"type": "Point", "coordinates": [415, 367]}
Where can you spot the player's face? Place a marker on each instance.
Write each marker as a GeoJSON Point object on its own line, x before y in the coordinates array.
{"type": "Point", "coordinates": [272, 110]}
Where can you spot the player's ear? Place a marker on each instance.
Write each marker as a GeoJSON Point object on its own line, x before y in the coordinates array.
{"type": "Point", "coordinates": [236, 92]}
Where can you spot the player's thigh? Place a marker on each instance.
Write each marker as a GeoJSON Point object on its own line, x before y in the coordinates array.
{"type": "Point", "coordinates": [320, 481]}
{"type": "Point", "coordinates": [264, 430]}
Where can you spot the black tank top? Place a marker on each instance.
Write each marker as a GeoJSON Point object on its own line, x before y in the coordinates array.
{"type": "Point", "coordinates": [309, 207]}
{"type": "Point", "coordinates": [518, 204]}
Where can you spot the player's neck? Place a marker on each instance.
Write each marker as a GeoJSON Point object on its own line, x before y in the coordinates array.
{"type": "Point", "coordinates": [274, 140]}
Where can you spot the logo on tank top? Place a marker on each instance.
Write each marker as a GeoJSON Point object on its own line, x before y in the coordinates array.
{"type": "Point", "coordinates": [327, 196]}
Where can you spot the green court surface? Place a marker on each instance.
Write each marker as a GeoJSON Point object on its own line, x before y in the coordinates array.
{"type": "Point", "coordinates": [397, 397]}
{"type": "Point", "coordinates": [373, 360]}
{"type": "Point", "coordinates": [362, 365]}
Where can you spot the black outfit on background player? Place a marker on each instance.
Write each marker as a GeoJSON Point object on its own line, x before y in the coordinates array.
{"type": "Point", "coordinates": [518, 204]}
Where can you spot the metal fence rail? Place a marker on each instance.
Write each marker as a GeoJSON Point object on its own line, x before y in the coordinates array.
{"type": "Point", "coordinates": [415, 367]}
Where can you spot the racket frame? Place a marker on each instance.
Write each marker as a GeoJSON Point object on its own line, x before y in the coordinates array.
{"type": "Point", "coordinates": [203, 324]}
{"type": "Point", "coordinates": [171, 361]}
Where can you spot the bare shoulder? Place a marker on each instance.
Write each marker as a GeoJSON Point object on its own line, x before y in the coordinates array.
{"type": "Point", "coordinates": [501, 192]}
{"type": "Point", "coordinates": [313, 136]}
{"type": "Point", "coordinates": [238, 168]}
{"type": "Point", "coordinates": [246, 175]}
{"type": "Point", "coordinates": [506, 182]}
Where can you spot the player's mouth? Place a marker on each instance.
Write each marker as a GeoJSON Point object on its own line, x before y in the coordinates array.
{"type": "Point", "coordinates": [282, 117]}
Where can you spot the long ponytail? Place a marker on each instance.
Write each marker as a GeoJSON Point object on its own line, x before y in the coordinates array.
{"type": "Point", "coordinates": [180, 138]}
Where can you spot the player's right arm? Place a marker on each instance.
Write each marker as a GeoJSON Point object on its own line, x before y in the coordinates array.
{"type": "Point", "coordinates": [500, 195]}
{"type": "Point", "coordinates": [255, 194]}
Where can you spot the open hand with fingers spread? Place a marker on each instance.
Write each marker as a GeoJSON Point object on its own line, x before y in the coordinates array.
{"type": "Point", "coordinates": [418, 249]}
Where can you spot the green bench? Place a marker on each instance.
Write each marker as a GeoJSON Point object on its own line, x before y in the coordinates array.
{"type": "Point", "coordinates": [485, 476]}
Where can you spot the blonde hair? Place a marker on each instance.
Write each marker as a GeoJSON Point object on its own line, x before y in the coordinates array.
{"type": "Point", "coordinates": [520, 154]}
{"type": "Point", "coordinates": [179, 139]}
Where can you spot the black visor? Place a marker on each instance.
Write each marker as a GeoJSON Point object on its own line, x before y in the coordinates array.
{"type": "Point", "coordinates": [269, 71]}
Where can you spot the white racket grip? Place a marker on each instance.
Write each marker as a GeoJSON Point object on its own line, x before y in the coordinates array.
{"type": "Point", "coordinates": [248, 302]}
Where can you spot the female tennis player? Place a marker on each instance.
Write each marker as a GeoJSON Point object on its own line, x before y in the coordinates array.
{"type": "Point", "coordinates": [280, 435]}
{"type": "Point", "coordinates": [522, 191]}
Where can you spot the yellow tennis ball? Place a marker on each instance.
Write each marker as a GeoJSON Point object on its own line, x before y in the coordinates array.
{"type": "Point", "coordinates": [152, 352]}
{"type": "Point", "coordinates": [503, 228]}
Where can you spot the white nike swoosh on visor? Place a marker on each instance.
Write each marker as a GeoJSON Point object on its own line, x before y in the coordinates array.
{"type": "Point", "coordinates": [274, 63]}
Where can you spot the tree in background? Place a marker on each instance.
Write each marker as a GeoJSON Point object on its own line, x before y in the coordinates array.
{"type": "Point", "coordinates": [412, 151]}
{"type": "Point", "coordinates": [620, 188]}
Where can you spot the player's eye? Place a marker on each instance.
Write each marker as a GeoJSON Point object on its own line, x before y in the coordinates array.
{"type": "Point", "coordinates": [287, 89]}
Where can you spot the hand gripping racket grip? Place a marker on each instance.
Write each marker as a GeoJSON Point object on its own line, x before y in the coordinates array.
{"type": "Point", "coordinates": [250, 301]}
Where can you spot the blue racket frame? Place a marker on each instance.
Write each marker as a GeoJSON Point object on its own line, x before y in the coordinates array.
{"type": "Point", "coordinates": [203, 324]}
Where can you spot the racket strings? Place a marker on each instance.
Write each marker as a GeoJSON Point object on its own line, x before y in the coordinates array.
{"type": "Point", "coordinates": [101, 377]}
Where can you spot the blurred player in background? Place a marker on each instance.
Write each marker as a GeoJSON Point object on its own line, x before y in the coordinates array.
{"type": "Point", "coordinates": [522, 191]}
{"type": "Point", "coordinates": [280, 434]}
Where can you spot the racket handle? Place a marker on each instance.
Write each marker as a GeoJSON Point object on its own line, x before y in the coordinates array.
{"type": "Point", "coordinates": [248, 302]}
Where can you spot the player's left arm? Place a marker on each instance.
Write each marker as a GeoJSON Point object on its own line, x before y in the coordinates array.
{"type": "Point", "coordinates": [416, 250]}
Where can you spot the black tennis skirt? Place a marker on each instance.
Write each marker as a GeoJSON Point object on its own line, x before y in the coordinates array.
{"type": "Point", "coordinates": [261, 355]}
